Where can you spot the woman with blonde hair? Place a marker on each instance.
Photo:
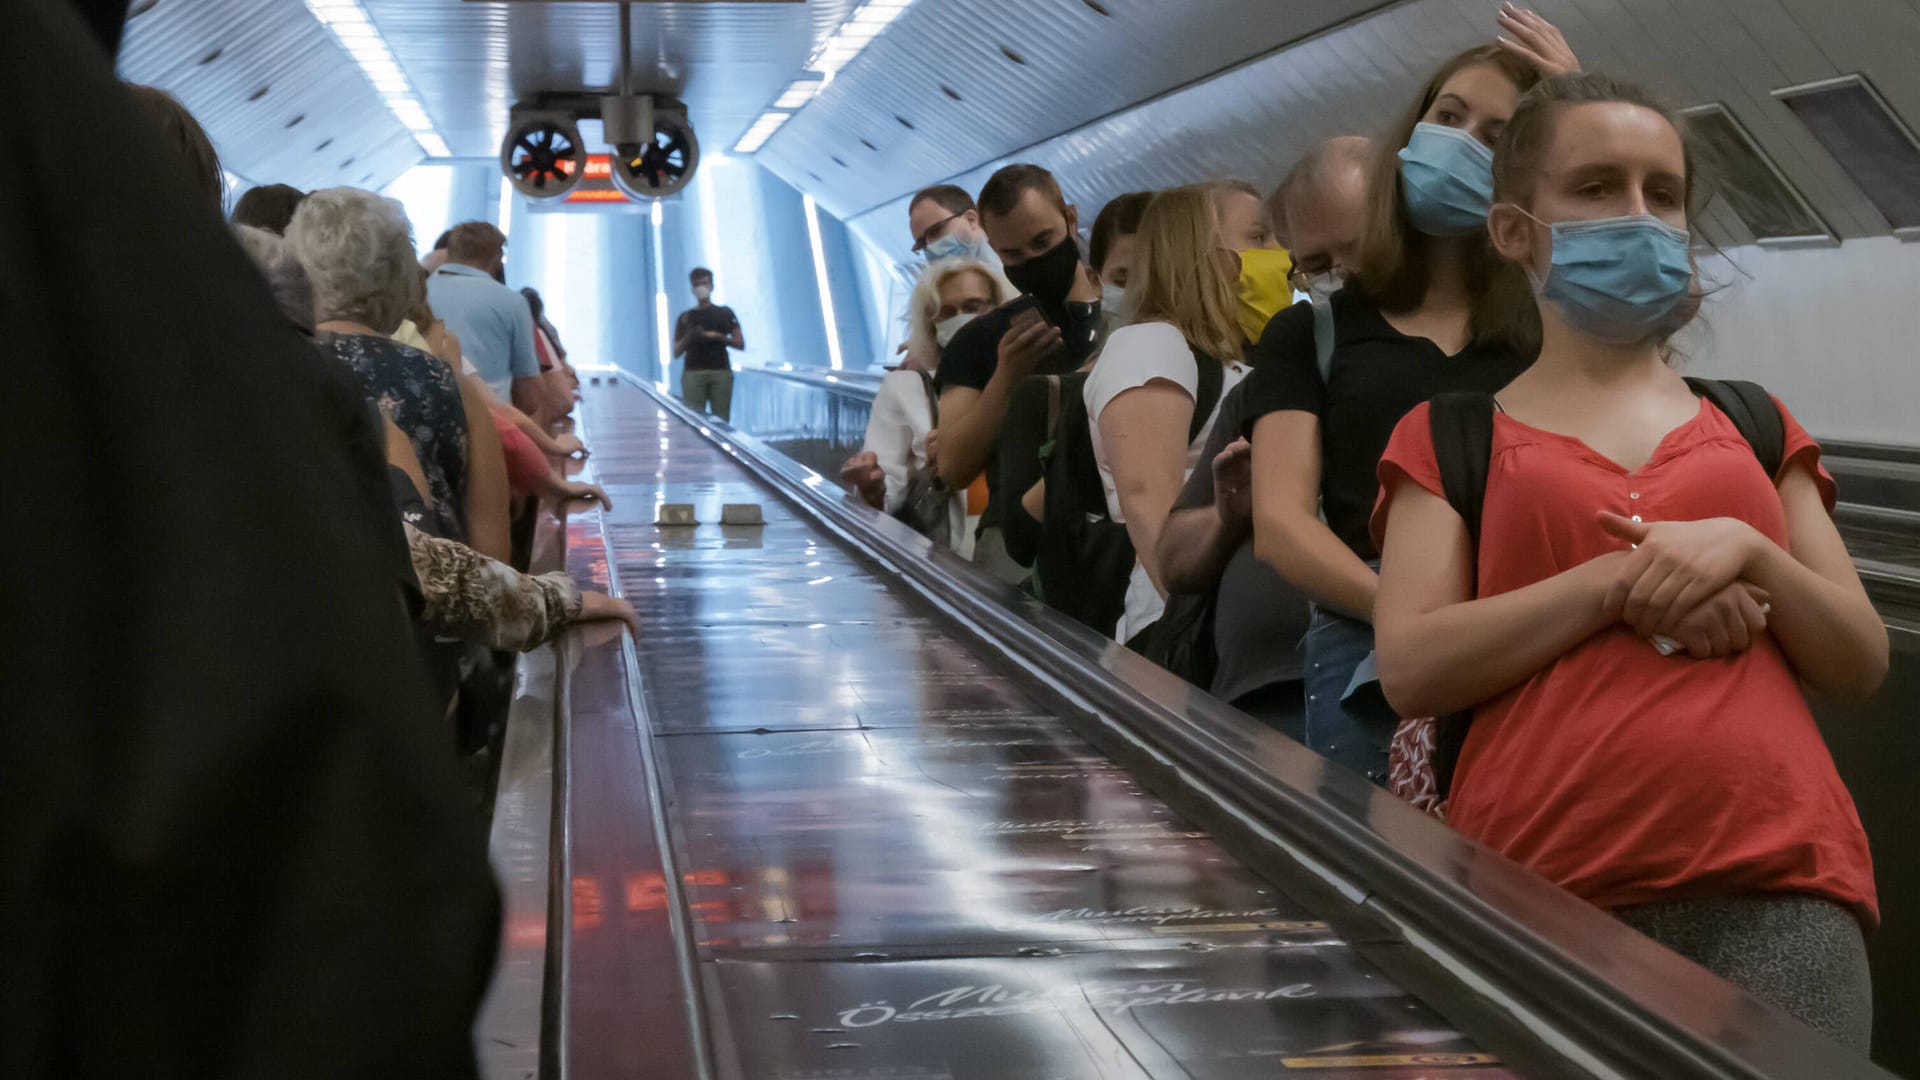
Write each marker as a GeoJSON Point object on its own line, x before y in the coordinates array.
{"type": "Point", "coordinates": [900, 437]}
{"type": "Point", "coordinates": [1150, 397]}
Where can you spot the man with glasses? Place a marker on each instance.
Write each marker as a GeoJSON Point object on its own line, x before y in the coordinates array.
{"type": "Point", "coordinates": [1207, 543]}
{"type": "Point", "coordinates": [1323, 204]}
{"type": "Point", "coordinates": [946, 225]}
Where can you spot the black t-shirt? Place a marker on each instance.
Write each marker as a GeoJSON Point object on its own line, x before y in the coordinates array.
{"type": "Point", "coordinates": [1379, 375]}
{"type": "Point", "coordinates": [973, 355]}
{"type": "Point", "coordinates": [240, 778]}
{"type": "Point", "coordinates": [1258, 618]}
{"type": "Point", "coordinates": [704, 355]}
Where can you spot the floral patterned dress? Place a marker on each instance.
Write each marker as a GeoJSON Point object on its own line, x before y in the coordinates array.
{"type": "Point", "coordinates": [419, 394]}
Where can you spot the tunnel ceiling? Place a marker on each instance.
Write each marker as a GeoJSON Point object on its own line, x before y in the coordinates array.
{"type": "Point", "coordinates": [939, 92]}
{"type": "Point", "coordinates": [954, 83]}
{"type": "Point", "coordinates": [1114, 95]}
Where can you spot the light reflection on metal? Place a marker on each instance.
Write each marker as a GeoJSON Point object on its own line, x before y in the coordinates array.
{"type": "Point", "coordinates": [664, 333]}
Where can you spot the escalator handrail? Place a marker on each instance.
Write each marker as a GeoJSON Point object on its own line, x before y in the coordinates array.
{"type": "Point", "coordinates": [853, 384]}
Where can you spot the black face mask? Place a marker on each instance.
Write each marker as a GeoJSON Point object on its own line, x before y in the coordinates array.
{"type": "Point", "coordinates": [1048, 277]}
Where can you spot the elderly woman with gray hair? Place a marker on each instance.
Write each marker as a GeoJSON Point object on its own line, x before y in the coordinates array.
{"type": "Point", "coordinates": [357, 249]}
{"type": "Point", "coordinates": [463, 594]}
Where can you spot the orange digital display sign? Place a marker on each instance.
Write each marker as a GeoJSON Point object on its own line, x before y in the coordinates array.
{"type": "Point", "coordinates": [596, 183]}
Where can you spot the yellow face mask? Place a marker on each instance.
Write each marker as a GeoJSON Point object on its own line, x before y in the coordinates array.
{"type": "Point", "coordinates": [1264, 289]}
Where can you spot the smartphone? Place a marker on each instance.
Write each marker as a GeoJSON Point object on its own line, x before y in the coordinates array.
{"type": "Point", "coordinates": [1018, 307]}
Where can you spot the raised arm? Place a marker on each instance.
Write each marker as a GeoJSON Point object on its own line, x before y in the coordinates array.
{"type": "Point", "coordinates": [1288, 534]}
{"type": "Point", "coordinates": [970, 420]}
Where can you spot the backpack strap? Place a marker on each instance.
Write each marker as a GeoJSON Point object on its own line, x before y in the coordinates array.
{"type": "Point", "coordinates": [1323, 336]}
{"type": "Point", "coordinates": [1753, 413]}
{"type": "Point", "coordinates": [1213, 380]}
{"type": "Point", "coordinates": [1461, 425]}
{"type": "Point", "coordinates": [1053, 406]}
{"type": "Point", "coordinates": [933, 397]}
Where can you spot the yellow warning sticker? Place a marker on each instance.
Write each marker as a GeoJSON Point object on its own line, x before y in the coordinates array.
{"type": "Point", "coordinates": [1382, 1060]}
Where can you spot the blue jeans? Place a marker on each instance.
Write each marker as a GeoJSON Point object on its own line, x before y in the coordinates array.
{"type": "Point", "coordinates": [1348, 719]}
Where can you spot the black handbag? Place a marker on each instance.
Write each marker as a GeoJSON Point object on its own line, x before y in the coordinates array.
{"type": "Point", "coordinates": [928, 504]}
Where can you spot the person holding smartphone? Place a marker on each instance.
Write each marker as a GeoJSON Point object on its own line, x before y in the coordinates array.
{"type": "Point", "coordinates": [703, 334]}
{"type": "Point", "coordinates": [1052, 328]}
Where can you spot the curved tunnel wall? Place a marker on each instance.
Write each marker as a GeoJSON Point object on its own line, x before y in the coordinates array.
{"type": "Point", "coordinates": [1828, 330]}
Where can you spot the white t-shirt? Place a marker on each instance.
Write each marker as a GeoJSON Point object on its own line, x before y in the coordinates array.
{"type": "Point", "coordinates": [897, 434]}
{"type": "Point", "coordinates": [1133, 357]}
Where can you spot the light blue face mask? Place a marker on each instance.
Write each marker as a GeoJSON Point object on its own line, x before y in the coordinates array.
{"type": "Point", "coordinates": [1446, 176]}
{"type": "Point", "coordinates": [1112, 299]}
{"type": "Point", "coordinates": [951, 246]}
{"type": "Point", "coordinates": [1617, 279]}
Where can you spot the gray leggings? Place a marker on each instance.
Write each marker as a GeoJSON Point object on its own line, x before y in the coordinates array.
{"type": "Point", "coordinates": [1801, 953]}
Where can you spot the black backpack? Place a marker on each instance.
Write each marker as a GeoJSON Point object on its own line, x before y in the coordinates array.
{"type": "Point", "coordinates": [1461, 425]}
{"type": "Point", "coordinates": [1084, 557]}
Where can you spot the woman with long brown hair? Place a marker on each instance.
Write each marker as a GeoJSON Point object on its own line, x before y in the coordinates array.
{"type": "Point", "coordinates": [1428, 309]}
{"type": "Point", "coordinates": [1628, 514]}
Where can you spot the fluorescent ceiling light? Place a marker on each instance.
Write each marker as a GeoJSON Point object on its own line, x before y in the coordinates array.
{"type": "Point", "coordinates": [355, 32]}
{"type": "Point", "coordinates": [801, 92]}
{"type": "Point", "coordinates": [760, 132]}
{"type": "Point", "coordinates": [855, 34]}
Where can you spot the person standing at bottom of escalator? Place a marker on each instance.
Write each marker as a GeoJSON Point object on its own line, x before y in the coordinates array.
{"type": "Point", "coordinates": [703, 334]}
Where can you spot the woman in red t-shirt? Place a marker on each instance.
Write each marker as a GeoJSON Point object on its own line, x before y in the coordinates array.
{"type": "Point", "coordinates": [1689, 793]}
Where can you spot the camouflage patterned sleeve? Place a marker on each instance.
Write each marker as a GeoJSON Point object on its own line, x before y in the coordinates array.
{"type": "Point", "coordinates": [473, 597]}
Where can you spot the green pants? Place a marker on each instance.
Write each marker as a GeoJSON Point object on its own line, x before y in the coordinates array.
{"type": "Point", "coordinates": [709, 391]}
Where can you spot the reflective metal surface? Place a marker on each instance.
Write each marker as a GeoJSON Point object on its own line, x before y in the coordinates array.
{"type": "Point", "coordinates": [815, 417]}
{"type": "Point", "coordinates": [894, 852]}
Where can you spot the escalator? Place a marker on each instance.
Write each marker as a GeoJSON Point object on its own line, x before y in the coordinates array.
{"type": "Point", "coordinates": [849, 809]}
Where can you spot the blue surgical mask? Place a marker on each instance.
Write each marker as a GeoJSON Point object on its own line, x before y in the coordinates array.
{"type": "Point", "coordinates": [952, 246]}
{"type": "Point", "coordinates": [1446, 176]}
{"type": "Point", "coordinates": [1617, 279]}
{"type": "Point", "coordinates": [1112, 298]}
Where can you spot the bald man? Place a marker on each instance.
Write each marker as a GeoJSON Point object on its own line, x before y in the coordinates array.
{"type": "Point", "coordinates": [1207, 544]}
{"type": "Point", "coordinates": [1323, 205]}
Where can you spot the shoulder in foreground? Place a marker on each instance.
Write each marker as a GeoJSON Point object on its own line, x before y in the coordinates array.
{"type": "Point", "coordinates": [1293, 319]}
{"type": "Point", "coordinates": [1154, 335]}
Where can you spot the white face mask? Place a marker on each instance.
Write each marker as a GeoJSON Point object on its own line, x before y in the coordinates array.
{"type": "Point", "coordinates": [1112, 298]}
{"type": "Point", "coordinates": [701, 292]}
{"type": "Point", "coordinates": [1324, 285]}
{"type": "Point", "coordinates": [944, 330]}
